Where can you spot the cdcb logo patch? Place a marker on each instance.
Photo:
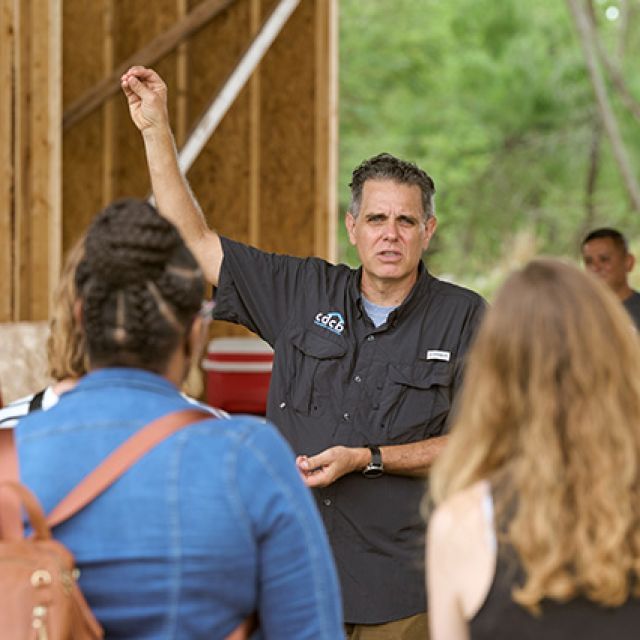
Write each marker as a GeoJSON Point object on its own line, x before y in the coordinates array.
{"type": "Point", "coordinates": [332, 321]}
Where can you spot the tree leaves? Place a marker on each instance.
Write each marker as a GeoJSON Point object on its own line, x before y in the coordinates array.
{"type": "Point", "coordinates": [493, 100]}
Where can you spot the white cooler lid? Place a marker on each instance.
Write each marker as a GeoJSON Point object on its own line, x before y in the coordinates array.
{"type": "Point", "coordinates": [238, 345]}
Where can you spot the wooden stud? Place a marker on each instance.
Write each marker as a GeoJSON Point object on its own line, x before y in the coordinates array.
{"type": "Point", "coordinates": [326, 133]}
{"type": "Point", "coordinates": [182, 86]}
{"type": "Point", "coordinates": [20, 159]}
{"type": "Point", "coordinates": [44, 167]}
{"type": "Point", "coordinates": [7, 46]}
{"type": "Point", "coordinates": [108, 106]}
{"type": "Point", "coordinates": [254, 136]}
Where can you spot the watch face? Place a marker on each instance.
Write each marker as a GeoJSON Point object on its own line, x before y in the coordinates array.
{"type": "Point", "coordinates": [373, 471]}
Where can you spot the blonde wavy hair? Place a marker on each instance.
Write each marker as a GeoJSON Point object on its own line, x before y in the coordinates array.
{"type": "Point", "coordinates": [550, 412]}
{"type": "Point", "coordinates": [66, 352]}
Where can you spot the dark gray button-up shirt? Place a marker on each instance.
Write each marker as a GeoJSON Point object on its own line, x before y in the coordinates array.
{"type": "Point", "coordinates": [338, 380]}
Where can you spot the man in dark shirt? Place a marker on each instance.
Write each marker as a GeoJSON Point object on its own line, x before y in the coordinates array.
{"type": "Point", "coordinates": [605, 252]}
{"type": "Point", "coordinates": [366, 363]}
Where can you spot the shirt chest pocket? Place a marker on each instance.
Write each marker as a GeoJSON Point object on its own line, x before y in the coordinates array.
{"type": "Point", "coordinates": [315, 369]}
{"type": "Point", "coordinates": [419, 400]}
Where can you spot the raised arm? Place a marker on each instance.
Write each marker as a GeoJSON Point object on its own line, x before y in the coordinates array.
{"type": "Point", "coordinates": [146, 95]}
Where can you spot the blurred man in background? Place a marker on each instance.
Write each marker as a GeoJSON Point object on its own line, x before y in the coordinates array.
{"type": "Point", "coordinates": [605, 252]}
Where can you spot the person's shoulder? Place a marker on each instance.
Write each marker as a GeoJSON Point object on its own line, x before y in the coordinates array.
{"type": "Point", "coordinates": [238, 426]}
{"type": "Point", "coordinates": [15, 410]}
{"type": "Point", "coordinates": [635, 297]}
{"type": "Point", "coordinates": [456, 291]}
{"type": "Point", "coordinates": [461, 515]}
{"type": "Point", "coordinates": [462, 548]}
{"type": "Point", "coordinates": [311, 262]}
{"type": "Point", "coordinates": [215, 412]}
{"type": "Point", "coordinates": [260, 436]}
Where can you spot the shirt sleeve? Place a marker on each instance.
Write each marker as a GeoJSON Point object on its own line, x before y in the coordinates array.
{"type": "Point", "coordinates": [299, 596]}
{"type": "Point", "coordinates": [469, 330]}
{"type": "Point", "coordinates": [260, 290]}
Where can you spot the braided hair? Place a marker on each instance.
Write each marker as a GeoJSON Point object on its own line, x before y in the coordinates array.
{"type": "Point", "coordinates": [140, 286]}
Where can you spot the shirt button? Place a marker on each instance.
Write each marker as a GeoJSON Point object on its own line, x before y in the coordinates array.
{"type": "Point", "coordinates": [371, 338]}
{"type": "Point", "coordinates": [283, 405]}
{"type": "Point", "coordinates": [375, 406]}
{"type": "Point", "coordinates": [357, 379]}
{"type": "Point", "coordinates": [346, 416]}
{"type": "Point", "coordinates": [327, 502]}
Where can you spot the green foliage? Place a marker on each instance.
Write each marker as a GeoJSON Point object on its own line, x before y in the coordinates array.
{"type": "Point", "coordinates": [494, 101]}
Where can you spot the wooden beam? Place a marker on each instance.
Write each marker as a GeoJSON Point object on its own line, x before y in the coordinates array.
{"type": "Point", "coordinates": [107, 108]}
{"type": "Point", "coordinates": [181, 82]}
{"type": "Point", "coordinates": [254, 136]}
{"type": "Point", "coordinates": [148, 55]}
{"type": "Point", "coordinates": [326, 130]}
{"type": "Point", "coordinates": [20, 158]}
{"type": "Point", "coordinates": [7, 45]}
{"type": "Point", "coordinates": [44, 170]}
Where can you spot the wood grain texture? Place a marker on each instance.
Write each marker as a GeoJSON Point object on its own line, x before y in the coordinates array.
{"type": "Point", "coordinates": [7, 44]}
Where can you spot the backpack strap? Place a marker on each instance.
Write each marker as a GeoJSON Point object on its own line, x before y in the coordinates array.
{"type": "Point", "coordinates": [98, 480]}
{"type": "Point", "coordinates": [124, 457]}
{"type": "Point", "coordinates": [10, 506]}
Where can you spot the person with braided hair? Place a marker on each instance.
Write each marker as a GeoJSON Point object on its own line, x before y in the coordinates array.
{"type": "Point", "coordinates": [211, 525]}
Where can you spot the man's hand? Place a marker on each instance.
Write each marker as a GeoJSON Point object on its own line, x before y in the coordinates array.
{"type": "Point", "coordinates": [325, 468]}
{"type": "Point", "coordinates": [413, 460]}
{"type": "Point", "coordinates": [146, 95]}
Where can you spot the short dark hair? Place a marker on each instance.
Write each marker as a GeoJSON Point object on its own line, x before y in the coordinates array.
{"type": "Point", "coordinates": [385, 166]}
{"type": "Point", "coordinates": [608, 232]}
{"type": "Point", "coordinates": [140, 287]}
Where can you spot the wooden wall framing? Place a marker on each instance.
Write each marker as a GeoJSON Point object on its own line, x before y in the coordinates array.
{"type": "Point", "coordinates": [30, 154]}
{"type": "Point", "coordinates": [266, 176]}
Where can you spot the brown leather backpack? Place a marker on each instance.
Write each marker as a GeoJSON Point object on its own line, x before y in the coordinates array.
{"type": "Point", "coordinates": [40, 596]}
{"type": "Point", "coordinates": [41, 599]}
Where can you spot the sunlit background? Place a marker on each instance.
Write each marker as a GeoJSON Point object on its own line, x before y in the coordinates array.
{"type": "Point", "coordinates": [495, 101]}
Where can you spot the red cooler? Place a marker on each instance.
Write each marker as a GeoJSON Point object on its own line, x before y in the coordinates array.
{"type": "Point", "coordinates": [238, 373]}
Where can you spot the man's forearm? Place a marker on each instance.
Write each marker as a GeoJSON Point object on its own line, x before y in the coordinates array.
{"type": "Point", "coordinates": [414, 459]}
{"type": "Point", "coordinates": [173, 196]}
{"type": "Point", "coordinates": [176, 202]}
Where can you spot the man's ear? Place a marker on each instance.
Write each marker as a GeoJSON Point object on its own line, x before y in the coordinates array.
{"type": "Point", "coordinates": [629, 262]}
{"type": "Point", "coordinates": [429, 229]}
{"type": "Point", "coordinates": [350, 224]}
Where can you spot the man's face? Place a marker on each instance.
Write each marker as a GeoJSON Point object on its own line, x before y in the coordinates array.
{"type": "Point", "coordinates": [604, 258]}
{"type": "Point", "coordinates": [390, 232]}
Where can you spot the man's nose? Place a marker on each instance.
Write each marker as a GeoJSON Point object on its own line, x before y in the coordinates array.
{"type": "Point", "coordinates": [391, 229]}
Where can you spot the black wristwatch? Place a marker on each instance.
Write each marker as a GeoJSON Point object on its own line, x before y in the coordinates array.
{"type": "Point", "coordinates": [375, 468]}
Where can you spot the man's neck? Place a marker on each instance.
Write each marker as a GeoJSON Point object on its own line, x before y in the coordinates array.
{"type": "Point", "coordinates": [624, 292]}
{"type": "Point", "coordinates": [386, 293]}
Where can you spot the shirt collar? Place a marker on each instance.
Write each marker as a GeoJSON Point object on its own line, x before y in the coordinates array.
{"type": "Point", "coordinates": [421, 288]}
{"type": "Point", "coordinates": [123, 375]}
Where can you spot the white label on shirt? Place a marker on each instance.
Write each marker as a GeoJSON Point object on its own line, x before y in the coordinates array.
{"type": "Point", "coordinates": [432, 354]}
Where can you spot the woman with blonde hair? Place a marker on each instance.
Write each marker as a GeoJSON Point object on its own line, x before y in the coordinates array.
{"type": "Point", "coordinates": [537, 529]}
{"type": "Point", "coordinates": [66, 355]}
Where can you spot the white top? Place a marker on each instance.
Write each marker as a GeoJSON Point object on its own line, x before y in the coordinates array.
{"type": "Point", "coordinates": [17, 409]}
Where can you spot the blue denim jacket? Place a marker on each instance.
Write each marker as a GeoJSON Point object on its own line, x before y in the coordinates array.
{"type": "Point", "coordinates": [211, 525]}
